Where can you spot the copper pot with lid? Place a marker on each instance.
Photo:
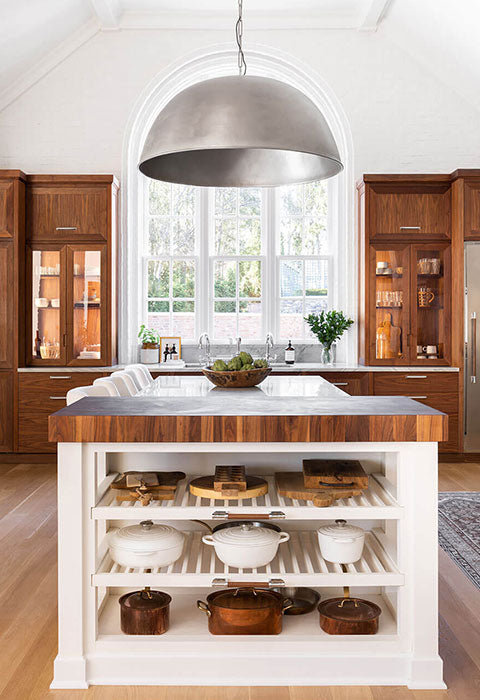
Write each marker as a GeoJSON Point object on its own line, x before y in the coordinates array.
{"type": "Point", "coordinates": [349, 615]}
{"type": "Point", "coordinates": [145, 612]}
{"type": "Point", "coordinates": [245, 611]}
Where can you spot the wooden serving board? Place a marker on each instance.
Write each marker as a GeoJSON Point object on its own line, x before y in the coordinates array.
{"type": "Point", "coordinates": [291, 485]}
{"type": "Point", "coordinates": [204, 487]}
{"type": "Point", "coordinates": [229, 479]}
{"type": "Point", "coordinates": [163, 490]}
{"type": "Point", "coordinates": [325, 473]}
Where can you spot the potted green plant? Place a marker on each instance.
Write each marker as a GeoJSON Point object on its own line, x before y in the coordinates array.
{"type": "Point", "coordinates": [328, 327]}
{"type": "Point", "coordinates": [150, 345]}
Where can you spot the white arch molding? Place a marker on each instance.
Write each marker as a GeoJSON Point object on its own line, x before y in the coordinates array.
{"type": "Point", "coordinates": [211, 63]}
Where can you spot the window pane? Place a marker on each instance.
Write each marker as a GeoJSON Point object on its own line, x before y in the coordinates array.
{"type": "Point", "coordinates": [183, 237]}
{"type": "Point", "coordinates": [157, 306]}
{"type": "Point", "coordinates": [249, 201]}
{"type": "Point", "coordinates": [158, 278]}
{"type": "Point", "coordinates": [183, 325]}
{"type": "Point", "coordinates": [224, 307]}
{"type": "Point", "coordinates": [250, 319]}
{"type": "Point", "coordinates": [226, 200]}
{"type": "Point", "coordinates": [291, 232]}
{"type": "Point", "coordinates": [249, 237]}
{"type": "Point", "coordinates": [183, 278]}
{"type": "Point", "coordinates": [225, 236]}
{"type": "Point", "coordinates": [250, 282]}
{"type": "Point", "coordinates": [183, 306]}
{"type": "Point", "coordinates": [316, 277]}
{"type": "Point", "coordinates": [291, 200]}
{"type": "Point", "coordinates": [225, 326]}
{"type": "Point", "coordinates": [291, 326]}
{"type": "Point", "coordinates": [316, 199]}
{"type": "Point", "coordinates": [159, 197]}
{"type": "Point", "coordinates": [159, 236]}
{"type": "Point", "coordinates": [225, 278]}
{"type": "Point", "coordinates": [159, 323]}
{"type": "Point", "coordinates": [314, 237]}
{"type": "Point", "coordinates": [183, 201]}
{"type": "Point", "coordinates": [315, 305]}
{"type": "Point", "coordinates": [291, 278]}
{"type": "Point", "coordinates": [291, 306]}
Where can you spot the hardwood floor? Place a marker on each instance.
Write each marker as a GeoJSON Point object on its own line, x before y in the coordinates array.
{"type": "Point", "coordinates": [28, 609]}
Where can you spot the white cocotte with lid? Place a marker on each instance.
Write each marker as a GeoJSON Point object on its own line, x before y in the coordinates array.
{"type": "Point", "coordinates": [246, 545]}
{"type": "Point", "coordinates": [341, 543]}
{"type": "Point", "coordinates": [146, 545]}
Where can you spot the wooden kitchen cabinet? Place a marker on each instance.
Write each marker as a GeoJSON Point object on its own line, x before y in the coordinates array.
{"type": "Point", "coordinates": [416, 208]}
{"type": "Point", "coordinates": [69, 207]}
{"type": "Point", "coordinates": [439, 390]}
{"type": "Point", "coordinates": [472, 209]}
{"type": "Point", "coordinates": [7, 208]}
{"type": "Point", "coordinates": [6, 412]}
{"type": "Point", "coordinates": [353, 383]}
{"type": "Point", "coordinates": [39, 395]}
{"type": "Point", "coordinates": [7, 305]}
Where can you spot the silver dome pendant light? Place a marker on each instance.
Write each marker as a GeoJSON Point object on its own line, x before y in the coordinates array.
{"type": "Point", "coordinates": [240, 131]}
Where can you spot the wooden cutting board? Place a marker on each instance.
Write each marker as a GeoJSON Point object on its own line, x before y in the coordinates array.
{"type": "Point", "coordinates": [291, 485]}
{"type": "Point", "coordinates": [153, 486]}
{"type": "Point", "coordinates": [328, 473]}
{"type": "Point", "coordinates": [229, 480]}
{"type": "Point", "coordinates": [204, 487]}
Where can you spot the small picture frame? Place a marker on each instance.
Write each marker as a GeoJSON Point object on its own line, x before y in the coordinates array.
{"type": "Point", "coordinates": [170, 349]}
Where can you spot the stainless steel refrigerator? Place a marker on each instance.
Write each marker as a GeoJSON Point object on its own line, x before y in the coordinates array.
{"type": "Point", "coordinates": [472, 347]}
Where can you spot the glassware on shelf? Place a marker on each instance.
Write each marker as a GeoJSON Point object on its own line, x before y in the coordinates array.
{"type": "Point", "coordinates": [426, 296]}
{"type": "Point", "coordinates": [429, 266]}
{"type": "Point", "coordinates": [389, 299]}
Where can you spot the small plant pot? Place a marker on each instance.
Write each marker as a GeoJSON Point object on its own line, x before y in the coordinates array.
{"type": "Point", "coordinates": [149, 354]}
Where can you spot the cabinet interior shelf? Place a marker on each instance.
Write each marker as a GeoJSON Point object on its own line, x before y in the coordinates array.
{"type": "Point", "coordinates": [298, 562]}
{"type": "Point", "coordinates": [390, 275]}
{"type": "Point", "coordinates": [84, 304]}
{"type": "Point", "coordinates": [397, 306]}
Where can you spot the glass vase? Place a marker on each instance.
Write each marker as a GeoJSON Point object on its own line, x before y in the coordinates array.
{"type": "Point", "coordinates": [328, 354]}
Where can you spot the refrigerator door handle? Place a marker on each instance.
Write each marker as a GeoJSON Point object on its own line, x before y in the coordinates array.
{"type": "Point", "coordinates": [473, 376]}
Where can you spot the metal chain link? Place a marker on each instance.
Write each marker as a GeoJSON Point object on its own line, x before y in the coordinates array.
{"type": "Point", "coordinates": [242, 66]}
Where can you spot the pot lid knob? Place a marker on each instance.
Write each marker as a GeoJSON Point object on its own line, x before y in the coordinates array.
{"type": "Point", "coordinates": [341, 523]}
{"type": "Point", "coordinates": [247, 526]}
{"type": "Point", "coordinates": [146, 524]}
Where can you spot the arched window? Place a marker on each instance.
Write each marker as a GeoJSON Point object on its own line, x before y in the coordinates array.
{"type": "Point", "coordinates": [235, 262]}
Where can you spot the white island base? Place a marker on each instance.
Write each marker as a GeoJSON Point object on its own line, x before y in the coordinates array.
{"type": "Point", "coordinates": [398, 570]}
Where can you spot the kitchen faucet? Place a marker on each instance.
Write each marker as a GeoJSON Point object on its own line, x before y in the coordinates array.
{"type": "Point", "coordinates": [205, 357]}
{"type": "Point", "coordinates": [269, 345]}
{"type": "Point", "coordinates": [239, 342]}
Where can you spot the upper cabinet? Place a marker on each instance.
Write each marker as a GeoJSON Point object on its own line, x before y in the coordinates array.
{"type": "Point", "coordinates": [69, 207]}
{"type": "Point", "coordinates": [409, 210]}
{"type": "Point", "coordinates": [472, 209]}
{"type": "Point", "coordinates": [7, 199]}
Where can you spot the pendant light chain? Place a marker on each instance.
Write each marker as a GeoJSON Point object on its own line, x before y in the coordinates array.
{"type": "Point", "coordinates": [242, 66]}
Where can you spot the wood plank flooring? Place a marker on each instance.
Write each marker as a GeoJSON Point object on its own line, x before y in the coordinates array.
{"type": "Point", "coordinates": [28, 628]}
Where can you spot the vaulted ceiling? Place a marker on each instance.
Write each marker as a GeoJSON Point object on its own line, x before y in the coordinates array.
{"type": "Point", "coordinates": [37, 35]}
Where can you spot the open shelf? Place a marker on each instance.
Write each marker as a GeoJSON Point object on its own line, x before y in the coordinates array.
{"type": "Point", "coordinates": [190, 625]}
{"type": "Point", "coordinates": [377, 502]}
{"type": "Point", "coordinates": [298, 563]}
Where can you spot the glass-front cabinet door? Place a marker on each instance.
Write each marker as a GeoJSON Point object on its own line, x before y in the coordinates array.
{"type": "Point", "coordinates": [390, 304]}
{"type": "Point", "coordinates": [86, 295]}
{"type": "Point", "coordinates": [46, 340]}
{"type": "Point", "coordinates": [431, 283]}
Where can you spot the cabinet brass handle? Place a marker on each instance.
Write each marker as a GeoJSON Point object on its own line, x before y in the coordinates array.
{"type": "Point", "coordinates": [58, 398]}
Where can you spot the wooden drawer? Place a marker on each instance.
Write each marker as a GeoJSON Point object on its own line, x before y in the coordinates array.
{"type": "Point", "coordinates": [410, 211]}
{"type": "Point", "coordinates": [40, 394]}
{"type": "Point", "coordinates": [409, 383]}
{"type": "Point", "coordinates": [353, 383]}
{"type": "Point", "coordinates": [67, 213]}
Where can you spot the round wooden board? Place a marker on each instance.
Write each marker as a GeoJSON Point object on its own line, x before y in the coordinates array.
{"type": "Point", "coordinates": [203, 487]}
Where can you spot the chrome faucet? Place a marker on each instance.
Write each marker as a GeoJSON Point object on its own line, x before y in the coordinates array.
{"type": "Point", "coordinates": [269, 345]}
{"type": "Point", "coordinates": [204, 347]}
{"type": "Point", "coordinates": [239, 342]}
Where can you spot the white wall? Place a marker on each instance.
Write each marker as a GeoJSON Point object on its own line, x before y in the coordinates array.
{"type": "Point", "coordinates": [403, 118]}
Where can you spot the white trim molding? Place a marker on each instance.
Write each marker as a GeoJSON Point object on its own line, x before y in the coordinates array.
{"type": "Point", "coordinates": [210, 63]}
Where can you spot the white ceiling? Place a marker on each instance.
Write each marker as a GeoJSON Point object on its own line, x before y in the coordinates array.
{"type": "Point", "coordinates": [36, 35]}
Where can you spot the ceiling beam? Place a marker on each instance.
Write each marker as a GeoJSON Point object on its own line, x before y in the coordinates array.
{"type": "Point", "coordinates": [374, 15]}
{"type": "Point", "coordinates": [108, 13]}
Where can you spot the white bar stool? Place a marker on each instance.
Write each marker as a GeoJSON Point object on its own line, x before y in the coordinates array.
{"type": "Point", "coordinates": [124, 383]}
{"type": "Point", "coordinates": [108, 384]}
{"type": "Point", "coordinates": [78, 393]}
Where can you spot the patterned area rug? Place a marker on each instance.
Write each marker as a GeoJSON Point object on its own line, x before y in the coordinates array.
{"type": "Point", "coordinates": [459, 530]}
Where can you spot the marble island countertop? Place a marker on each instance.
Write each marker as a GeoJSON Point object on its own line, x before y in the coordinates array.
{"type": "Point", "coordinates": [281, 409]}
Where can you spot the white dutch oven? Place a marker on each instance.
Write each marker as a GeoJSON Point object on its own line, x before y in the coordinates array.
{"type": "Point", "coordinates": [341, 543]}
{"type": "Point", "coordinates": [246, 545]}
{"type": "Point", "coordinates": [146, 545]}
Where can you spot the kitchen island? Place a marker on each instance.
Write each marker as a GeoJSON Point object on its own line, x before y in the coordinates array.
{"type": "Point", "coordinates": [185, 424]}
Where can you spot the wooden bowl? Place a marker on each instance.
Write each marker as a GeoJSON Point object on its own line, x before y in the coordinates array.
{"type": "Point", "coordinates": [239, 379]}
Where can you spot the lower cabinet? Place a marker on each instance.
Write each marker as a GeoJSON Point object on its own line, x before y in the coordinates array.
{"type": "Point", "coordinates": [6, 411]}
{"type": "Point", "coordinates": [438, 390]}
{"type": "Point", "coordinates": [353, 383]}
{"type": "Point", "coordinates": [40, 394]}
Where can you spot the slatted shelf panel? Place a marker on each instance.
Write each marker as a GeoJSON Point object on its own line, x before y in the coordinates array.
{"type": "Point", "coordinates": [375, 503]}
{"type": "Point", "coordinates": [298, 563]}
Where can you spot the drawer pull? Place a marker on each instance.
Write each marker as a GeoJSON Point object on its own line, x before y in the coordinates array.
{"type": "Point", "coordinates": [271, 583]}
{"type": "Point", "coordinates": [225, 515]}
{"type": "Point", "coordinates": [415, 376]}
{"type": "Point", "coordinates": [340, 383]}
{"type": "Point", "coordinates": [65, 228]}
{"type": "Point", "coordinates": [417, 397]}
{"type": "Point", "coordinates": [410, 228]}
{"type": "Point", "coordinates": [58, 398]}
{"type": "Point", "coordinates": [60, 376]}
